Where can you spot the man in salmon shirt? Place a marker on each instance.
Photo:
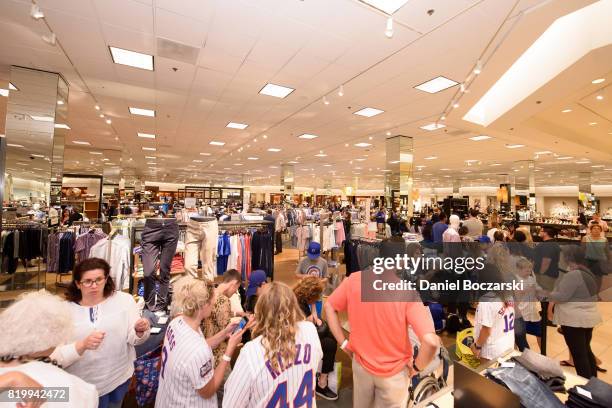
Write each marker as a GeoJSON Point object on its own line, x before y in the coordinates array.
{"type": "Point", "coordinates": [379, 342]}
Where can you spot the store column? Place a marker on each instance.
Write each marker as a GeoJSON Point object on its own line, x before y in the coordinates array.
{"type": "Point", "coordinates": [524, 182]}
{"type": "Point", "coordinates": [456, 188]}
{"type": "Point", "coordinates": [400, 161]}
{"type": "Point", "coordinates": [287, 181]}
{"type": "Point", "coordinates": [246, 193]}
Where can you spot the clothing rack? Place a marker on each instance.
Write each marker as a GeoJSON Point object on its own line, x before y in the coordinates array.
{"type": "Point", "coordinates": [23, 224]}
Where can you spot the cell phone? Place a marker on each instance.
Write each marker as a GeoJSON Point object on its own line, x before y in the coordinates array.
{"type": "Point", "coordinates": [243, 322]}
{"type": "Point", "coordinates": [155, 330]}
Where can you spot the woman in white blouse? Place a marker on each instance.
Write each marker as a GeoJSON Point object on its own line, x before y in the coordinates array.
{"type": "Point", "coordinates": [107, 326]}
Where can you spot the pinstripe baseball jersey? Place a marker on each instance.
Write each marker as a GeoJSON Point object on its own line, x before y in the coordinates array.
{"type": "Point", "coordinates": [255, 383]}
{"type": "Point", "coordinates": [187, 366]}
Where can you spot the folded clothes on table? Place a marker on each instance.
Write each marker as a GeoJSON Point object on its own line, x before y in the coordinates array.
{"type": "Point", "coordinates": [594, 394]}
{"type": "Point", "coordinates": [544, 367]}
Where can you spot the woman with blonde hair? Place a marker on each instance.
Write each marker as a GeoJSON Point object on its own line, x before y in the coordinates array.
{"type": "Point", "coordinates": [31, 329]}
{"type": "Point", "coordinates": [308, 291]}
{"type": "Point", "coordinates": [187, 377]}
{"type": "Point", "coordinates": [278, 366]}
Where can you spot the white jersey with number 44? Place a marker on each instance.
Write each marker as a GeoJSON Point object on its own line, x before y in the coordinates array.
{"type": "Point", "coordinates": [255, 383]}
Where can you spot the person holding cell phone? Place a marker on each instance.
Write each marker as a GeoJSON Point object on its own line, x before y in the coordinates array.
{"type": "Point", "coordinates": [107, 326]}
{"type": "Point", "coordinates": [187, 376]}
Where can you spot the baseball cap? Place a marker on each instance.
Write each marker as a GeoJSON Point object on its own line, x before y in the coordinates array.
{"type": "Point", "coordinates": [484, 239]}
{"type": "Point", "coordinates": [257, 278]}
{"type": "Point", "coordinates": [314, 250]}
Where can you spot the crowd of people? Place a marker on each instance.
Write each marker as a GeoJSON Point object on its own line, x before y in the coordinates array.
{"type": "Point", "coordinates": [279, 345]}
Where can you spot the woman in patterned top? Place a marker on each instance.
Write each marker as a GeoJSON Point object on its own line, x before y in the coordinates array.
{"type": "Point", "coordinates": [221, 313]}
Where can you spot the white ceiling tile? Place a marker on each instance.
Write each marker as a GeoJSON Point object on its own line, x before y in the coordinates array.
{"type": "Point", "coordinates": [217, 59]}
{"type": "Point", "coordinates": [230, 42]}
{"type": "Point", "coordinates": [414, 13]}
{"type": "Point", "coordinates": [210, 83]}
{"type": "Point", "coordinates": [133, 16]}
{"type": "Point", "coordinates": [129, 40]}
{"type": "Point", "coordinates": [196, 9]}
{"type": "Point", "coordinates": [180, 28]}
{"type": "Point", "coordinates": [166, 76]}
{"type": "Point", "coordinates": [81, 8]}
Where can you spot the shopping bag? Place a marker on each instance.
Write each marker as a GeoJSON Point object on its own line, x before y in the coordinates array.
{"type": "Point", "coordinates": [334, 378]}
{"type": "Point", "coordinates": [465, 338]}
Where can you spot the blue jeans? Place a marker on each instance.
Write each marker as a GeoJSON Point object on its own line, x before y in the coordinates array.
{"type": "Point", "coordinates": [532, 392]}
{"type": "Point", "coordinates": [115, 397]}
{"type": "Point", "coordinates": [520, 334]}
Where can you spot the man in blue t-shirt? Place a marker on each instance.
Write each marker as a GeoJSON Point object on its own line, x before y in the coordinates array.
{"type": "Point", "coordinates": [439, 228]}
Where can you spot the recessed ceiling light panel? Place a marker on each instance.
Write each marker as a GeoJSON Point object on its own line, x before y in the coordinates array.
{"type": "Point", "coordinates": [433, 126]}
{"type": "Point", "coordinates": [81, 142]}
{"type": "Point", "coordinates": [368, 112]}
{"type": "Point", "coordinates": [436, 85]}
{"type": "Point", "coordinates": [278, 91]}
{"type": "Point", "coordinates": [307, 136]}
{"type": "Point", "coordinates": [146, 135]}
{"type": "Point", "coordinates": [215, 143]}
{"type": "Point", "coordinates": [131, 58]}
{"type": "Point", "coordinates": [480, 137]}
{"type": "Point", "coordinates": [142, 112]}
{"type": "Point", "coordinates": [42, 118]}
{"type": "Point", "coordinates": [234, 125]}
{"type": "Point", "coordinates": [515, 146]}
{"type": "Point", "coordinates": [274, 149]}
{"type": "Point", "coordinates": [362, 144]}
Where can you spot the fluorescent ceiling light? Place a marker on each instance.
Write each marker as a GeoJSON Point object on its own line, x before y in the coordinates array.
{"type": "Point", "coordinates": [368, 112]}
{"type": "Point", "coordinates": [142, 112]}
{"type": "Point", "coordinates": [152, 149]}
{"type": "Point", "coordinates": [327, 165]}
{"type": "Point", "coordinates": [433, 126]}
{"type": "Point", "coordinates": [197, 161]}
{"type": "Point", "coordinates": [237, 164]}
{"type": "Point", "coordinates": [62, 126]}
{"type": "Point", "coordinates": [583, 162]}
{"type": "Point", "coordinates": [214, 143]}
{"type": "Point", "coordinates": [580, 32]}
{"type": "Point", "coordinates": [253, 158]}
{"type": "Point", "coordinates": [388, 6]}
{"type": "Point", "coordinates": [320, 155]}
{"type": "Point", "coordinates": [150, 157]}
{"type": "Point", "coordinates": [274, 149]}
{"type": "Point", "coordinates": [598, 166]}
{"type": "Point", "coordinates": [42, 118]}
{"type": "Point", "coordinates": [293, 162]}
{"type": "Point", "coordinates": [37, 155]}
{"type": "Point", "coordinates": [436, 85]}
{"type": "Point", "coordinates": [4, 92]}
{"type": "Point", "coordinates": [234, 125]}
{"type": "Point", "coordinates": [95, 153]}
{"type": "Point", "coordinates": [132, 58]}
{"type": "Point", "coordinates": [277, 91]}
{"type": "Point", "coordinates": [566, 111]}
{"type": "Point", "coordinates": [81, 142]}
{"type": "Point", "coordinates": [307, 136]}
{"type": "Point", "coordinates": [362, 144]}
{"type": "Point", "coordinates": [359, 159]}
{"type": "Point", "coordinates": [431, 158]}
{"type": "Point", "coordinates": [544, 152]}
{"type": "Point", "coordinates": [146, 135]}
{"type": "Point", "coordinates": [479, 138]}
{"type": "Point", "coordinates": [514, 146]}
{"type": "Point", "coordinates": [14, 145]}
{"type": "Point", "coordinates": [204, 154]}
{"type": "Point", "coordinates": [592, 123]}
{"type": "Point", "coordinates": [14, 88]}
{"type": "Point", "coordinates": [495, 164]}
{"type": "Point", "coordinates": [565, 157]}
{"type": "Point", "coordinates": [598, 81]}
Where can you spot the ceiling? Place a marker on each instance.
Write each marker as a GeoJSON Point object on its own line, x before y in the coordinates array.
{"type": "Point", "coordinates": [213, 57]}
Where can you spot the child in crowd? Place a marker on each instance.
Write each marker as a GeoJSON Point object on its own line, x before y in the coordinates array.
{"type": "Point", "coordinates": [527, 306]}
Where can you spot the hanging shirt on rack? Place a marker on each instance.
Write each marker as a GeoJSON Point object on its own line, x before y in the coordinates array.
{"type": "Point", "coordinates": [223, 252]}
{"type": "Point", "coordinates": [118, 256]}
{"type": "Point", "coordinates": [232, 261]}
{"type": "Point", "coordinates": [85, 241]}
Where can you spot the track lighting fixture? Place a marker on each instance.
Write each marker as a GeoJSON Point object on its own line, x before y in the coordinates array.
{"type": "Point", "coordinates": [36, 13]}
{"type": "Point", "coordinates": [389, 29]}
